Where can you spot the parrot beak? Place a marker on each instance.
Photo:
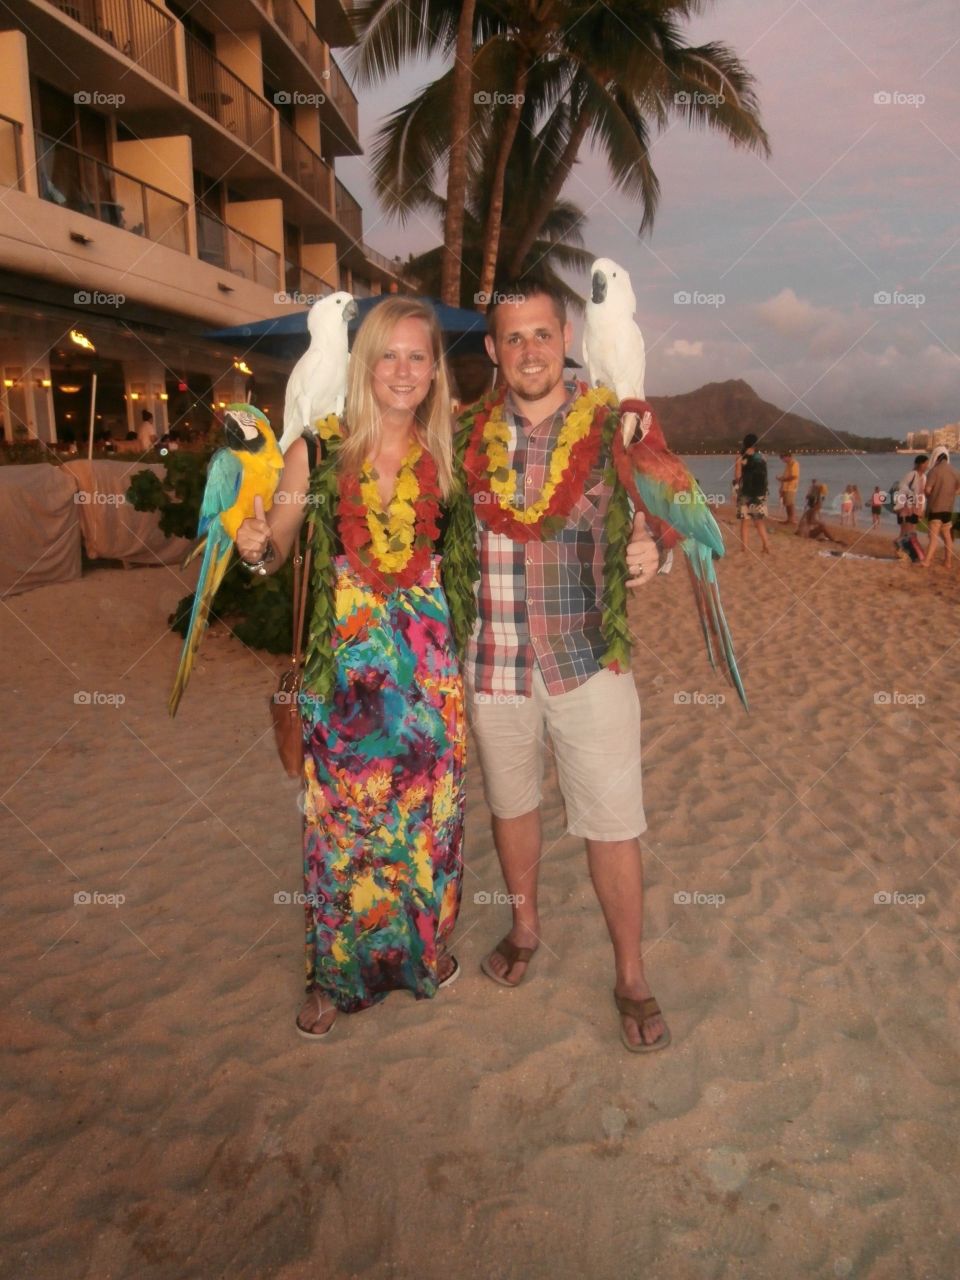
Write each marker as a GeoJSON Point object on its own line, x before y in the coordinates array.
{"type": "Point", "coordinates": [599, 287]}
{"type": "Point", "coordinates": [350, 311]}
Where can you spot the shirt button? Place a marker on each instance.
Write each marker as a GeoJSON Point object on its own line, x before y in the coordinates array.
{"type": "Point", "coordinates": [529, 480]}
{"type": "Point", "coordinates": [529, 559]}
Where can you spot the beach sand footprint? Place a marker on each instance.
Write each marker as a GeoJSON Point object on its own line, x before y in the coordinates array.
{"type": "Point", "coordinates": [726, 1168]}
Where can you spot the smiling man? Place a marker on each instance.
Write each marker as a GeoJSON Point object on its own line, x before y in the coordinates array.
{"type": "Point", "coordinates": [534, 666]}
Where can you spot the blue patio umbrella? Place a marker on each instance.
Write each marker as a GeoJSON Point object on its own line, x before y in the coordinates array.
{"type": "Point", "coordinates": [286, 335]}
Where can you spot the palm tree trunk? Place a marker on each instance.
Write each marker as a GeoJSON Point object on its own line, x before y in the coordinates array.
{"type": "Point", "coordinates": [550, 194]}
{"type": "Point", "coordinates": [457, 169]}
{"type": "Point", "coordinates": [491, 232]}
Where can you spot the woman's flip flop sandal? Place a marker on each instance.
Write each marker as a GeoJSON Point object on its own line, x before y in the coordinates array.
{"type": "Point", "coordinates": [315, 1035]}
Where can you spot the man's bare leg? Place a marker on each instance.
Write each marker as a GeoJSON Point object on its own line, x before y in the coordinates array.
{"type": "Point", "coordinates": [931, 551]}
{"type": "Point", "coordinates": [616, 869]}
{"type": "Point", "coordinates": [518, 848]}
{"type": "Point", "coordinates": [764, 540]}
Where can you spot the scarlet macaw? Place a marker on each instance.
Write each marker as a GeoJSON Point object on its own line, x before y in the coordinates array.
{"type": "Point", "coordinates": [664, 490]}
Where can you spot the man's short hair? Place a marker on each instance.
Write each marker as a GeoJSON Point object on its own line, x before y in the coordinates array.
{"type": "Point", "coordinates": [518, 291]}
{"type": "Point", "coordinates": [921, 457]}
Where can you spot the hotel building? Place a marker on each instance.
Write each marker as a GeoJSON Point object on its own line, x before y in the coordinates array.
{"type": "Point", "coordinates": [166, 170]}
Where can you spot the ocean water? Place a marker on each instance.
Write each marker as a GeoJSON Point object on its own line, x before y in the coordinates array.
{"type": "Point", "coordinates": [714, 473]}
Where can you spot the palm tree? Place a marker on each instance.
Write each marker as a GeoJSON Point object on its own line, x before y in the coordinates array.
{"type": "Point", "coordinates": [558, 245]}
{"type": "Point", "coordinates": [564, 71]}
{"type": "Point", "coordinates": [457, 165]}
{"type": "Point", "coordinates": [397, 29]}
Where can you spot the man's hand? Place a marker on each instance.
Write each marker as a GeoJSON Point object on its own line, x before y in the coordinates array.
{"type": "Point", "coordinates": [643, 558]}
{"type": "Point", "coordinates": [253, 536]}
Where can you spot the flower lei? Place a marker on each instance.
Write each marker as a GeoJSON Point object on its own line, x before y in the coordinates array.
{"type": "Point", "coordinates": [587, 425]}
{"type": "Point", "coordinates": [387, 549]}
{"type": "Point", "coordinates": [390, 549]}
{"type": "Point", "coordinates": [591, 430]}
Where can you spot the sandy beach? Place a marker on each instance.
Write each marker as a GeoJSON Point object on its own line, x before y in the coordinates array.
{"type": "Point", "coordinates": [165, 1121]}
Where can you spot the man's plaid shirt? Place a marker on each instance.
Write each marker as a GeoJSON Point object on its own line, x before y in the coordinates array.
{"type": "Point", "coordinates": [540, 603]}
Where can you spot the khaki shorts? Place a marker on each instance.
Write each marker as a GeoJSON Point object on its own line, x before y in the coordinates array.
{"type": "Point", "coordinates": [595, 733]}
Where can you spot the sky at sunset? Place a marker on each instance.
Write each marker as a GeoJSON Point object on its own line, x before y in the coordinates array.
{"type": "Point", "coordinates": [788, 260]}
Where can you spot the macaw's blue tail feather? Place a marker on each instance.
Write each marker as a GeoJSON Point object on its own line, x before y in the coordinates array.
{"type": "Point", "coordinates": [217, 555]}
{"type": "Point", "coordinates": [706, 591]}
{"type": "Point", "coordinates": [700, 596]}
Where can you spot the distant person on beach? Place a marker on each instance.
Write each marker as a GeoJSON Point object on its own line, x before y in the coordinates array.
{"type": "Point", "coordinates": [877, 499]}
{"type": "Point", "coordinates": [816, 496]}
{"type": "Point", "coordinates": [147, 434]}
{"type": "Point", "coordinates": [908, 502]}
{"type": "Point", "coordinates": [812, 527]}
{"type": "Point", "coordinates": [908, 497]}
{"type": "Point", "coordinates": [941, 485]}
{"type": "Point", "coordinates": [850, 503]}
{"type": "Point", "coordinates": [750, 478]}
{"type": "Point", "coordinates": [789, 481]}
{"type": "Point", "coordinates": [846, 506]}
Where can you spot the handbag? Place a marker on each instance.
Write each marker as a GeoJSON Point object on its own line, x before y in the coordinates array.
{"type": "Point", "coordinates": [285, 703]}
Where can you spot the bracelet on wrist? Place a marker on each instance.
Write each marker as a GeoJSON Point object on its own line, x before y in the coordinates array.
{"type": "Point", "coordinates": [260, 566]}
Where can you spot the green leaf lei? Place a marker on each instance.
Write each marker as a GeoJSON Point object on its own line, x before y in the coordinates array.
{"type": "Point", "coordinates": [319, 670]}
{"type": "Point", "coordinates": [618, 526]}
{"type": "Point", "coordinates": [460, 567]}
{"type": "Point", "coordinates": [461, 562]}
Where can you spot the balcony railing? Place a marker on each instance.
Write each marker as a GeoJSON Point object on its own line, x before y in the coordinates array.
{"type": "Point", "coordinates": [303, 287]}
{"type": "Point", "coordinates": [81, 182]}
{"type": "Point", "coordinates": [312, 286]}
{"type": "Point", "coordinates": [222, 246]}
{"type": "Point", "coordinates": [301, 163]}
{"type": "Point", "coordinates": [383, 262]}
{"type": "Point", "coordinates": [140, 30]}
{"type": "Point", "coordinates": [225, 98]}
{"type": "Point", "coordinates": [11, 153]}
{"type": "Point", "coordinates": [344, 98]}
{"type": "Point", "coordinates": [349, 213]}
{"type": "Point", "coordinates": [301, 33]}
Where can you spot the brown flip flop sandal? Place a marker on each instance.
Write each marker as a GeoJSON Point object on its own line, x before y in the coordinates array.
{"type": "Point", "coordinates": [513, 955]}
{"type": "Point", "coordinates": [642, 1011]}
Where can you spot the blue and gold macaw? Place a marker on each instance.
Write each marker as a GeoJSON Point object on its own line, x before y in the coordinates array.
{"type": "Point", "coordinates": [668, 495]}
{"type": "Point", "coordinates": [248, 468]}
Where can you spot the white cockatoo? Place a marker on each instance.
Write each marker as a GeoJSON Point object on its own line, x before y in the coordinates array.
{"type": "Point", "coordinates": [318, 384]}
{"type": "Point", "coordinates": [613, 350]}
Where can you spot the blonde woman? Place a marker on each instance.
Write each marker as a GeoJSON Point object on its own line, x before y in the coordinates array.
{"type": "Point", "coordinates": [382, 701]}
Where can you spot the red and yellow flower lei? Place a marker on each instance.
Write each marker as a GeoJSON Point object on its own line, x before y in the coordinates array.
{"type": "Point", "coordinates": [388, 549]}
{"type": "Point", "coordinates": [492, 482]}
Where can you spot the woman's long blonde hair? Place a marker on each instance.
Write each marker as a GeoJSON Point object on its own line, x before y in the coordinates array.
{"type": "Point", "coordinates": [362, 429]}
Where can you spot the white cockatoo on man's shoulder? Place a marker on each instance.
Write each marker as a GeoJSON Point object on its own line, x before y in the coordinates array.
{"type": "Point", "coordinates": [317, 386]}
{"type": "Point", "coordinates": [613, 350]}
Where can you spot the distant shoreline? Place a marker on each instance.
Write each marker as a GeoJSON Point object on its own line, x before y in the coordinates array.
{"type": "Point", "coordinates": [796, 453]}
